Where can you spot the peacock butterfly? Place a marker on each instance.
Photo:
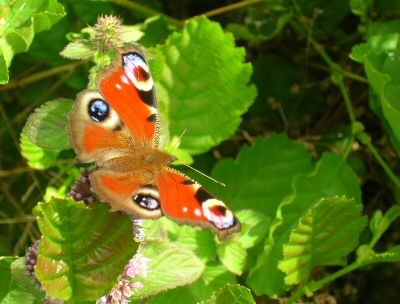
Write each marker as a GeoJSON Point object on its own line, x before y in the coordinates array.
{"type": "Point", "coordinates": [117, 127]}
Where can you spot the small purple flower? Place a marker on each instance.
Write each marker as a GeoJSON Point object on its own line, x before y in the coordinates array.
{"type": "Point", "coordinates": [120, 292]}
{"type": "Point", "coordinates": [137, 267]}
{"type": "Point", "coordinates": [30, 262]}
{"type": "Point", "coordinates": [81, 191]}
{"type": "Point", "coordinates": [50, 300]}
{"type": "Point", "coordinates": [137, 225]}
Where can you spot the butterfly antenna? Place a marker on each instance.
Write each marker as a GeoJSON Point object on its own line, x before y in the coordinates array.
{"type": "Point", "coordinates": [209, 177]}
{"type": "Point", "coordinates": [205, 175]}
{"type": "Point", "coordinates": [179, 139]}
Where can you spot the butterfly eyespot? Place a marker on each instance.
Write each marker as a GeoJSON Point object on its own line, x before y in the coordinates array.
{"type": "Point", "coordinates": [217, 214]}
{"type": "Point", "coordinates": [146, 201]}
{"type": "Point", "coordinates": [147, 197]}
{"type": "Point", "coordinates": [138, 66]}
{"type": "Point", "coordinates": [138, 72]}
{"type": "Point", "coordinates": [98, 110]}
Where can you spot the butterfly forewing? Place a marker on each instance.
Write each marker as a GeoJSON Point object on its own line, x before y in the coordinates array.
{"type": "Point", "coordinates": [128, 87]}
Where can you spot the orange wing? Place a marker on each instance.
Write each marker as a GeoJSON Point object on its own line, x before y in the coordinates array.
{"type": "Point", "coordinates": [128, 87]}
{"type": "Point", "coordinates": [119, 117]}
{"type": "Point", "coordinates": [187, 202]}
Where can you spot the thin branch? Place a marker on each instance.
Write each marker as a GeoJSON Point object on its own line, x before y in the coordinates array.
{"type": "Point", "coordinates": [228, 8]}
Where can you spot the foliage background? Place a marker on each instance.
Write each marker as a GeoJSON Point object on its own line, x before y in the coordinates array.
{"type": "Point", "coordinates": [305, 79]}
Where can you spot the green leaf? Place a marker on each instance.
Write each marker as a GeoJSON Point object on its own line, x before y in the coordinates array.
{"type": "Point", "coordinates": [232, 251]}
{"type": "Point", "coordinates": [214, 277]}
{"type": "Point", "coordinates": [360, 8]}
{"type": "Point", "coordinates": [170, 265]}
{"type": "Point", "coordinates": [232, 294]}
{"type": "Point", "coordinates": [382, 71]}
{"type": "Point", "coordinates": [379, 223]}
{"type": "Point", "coordinates": [393, 255]}
{"type": "Point", "coordinates": [83, 249]}
{"type": "Point", "coordinates": [47, 126]}
{"type": "Point", "coordinates": [255, 227]}
{"type": "Point", "coordinates": [386, 43]}
{"type": "Point", "coordinates": [382, 28]}
{"type": "Point", "coordinates": [38, 158]}
{"type": "Point", "coordinates": [131, 33]}
{"type": "Point", "coordinates": [262, 175]}
{"type": "Point", "coordinates": [324, 236]}
{"type": "Point", "coordinates": [156, 29]}
{"type": "Point", "coordinates": [10, 291]}
{"type": "Point", "coordinates": [18, 268]}
{"type": "Point", "coordinates": [233, 256]}
{"type": "Point", "coordinates": [78, 49]}
{"type": "Point", "coordinates": [21, 20]}
{"type": "Point", "coordinates": [365, 255]}
{"type": "Point", "coordinates": [205, 84]}
{"type": "Point", "coordinates": [157, 64]}
{"type": "Point", "coordinates": [202, 243]}
{"type": "Point", "coordinates": [332, 177]}
{"type": "Point", "coordinates": [380, 58]}
{"type": "Point", "coordinates": [181, 294]}
{"type": "Point", "coordinates": [393, 213]}
{"type": "Point", "coordinates": [175, 232]}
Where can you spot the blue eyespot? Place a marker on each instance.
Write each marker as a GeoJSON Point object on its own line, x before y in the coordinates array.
{"type": "Point", "coordinates": [98, 110]}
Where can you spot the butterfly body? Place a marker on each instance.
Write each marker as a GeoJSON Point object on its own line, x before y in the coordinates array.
{"type": "Point", "coordinates": [117, 127]}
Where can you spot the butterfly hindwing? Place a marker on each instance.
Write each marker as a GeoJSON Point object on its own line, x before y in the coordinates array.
{"type": "Point", "coordinates": [187, 202]}
{"type": "Point", "coordinates": [128, 192]}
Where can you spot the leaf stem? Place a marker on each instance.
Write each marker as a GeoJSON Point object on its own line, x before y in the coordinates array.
{"type": "Point", "coordinates": [347, 101]}
{"type": "Point", "coordinates": [349, 147]}
{"type": "Point", "coordinates": [147, 11]}
{"type": "Point", "coordinates": [366, 140]}
{"type": "Point", "coordinates": [312, 286]}
{"type": "Point", "coordinates": [228, 8]}
{"type": "Point", "coordinates": [355, 76]}
{"type": "Point", "coordinates": [337, 75]}
{"type": "Point", "coordinates": [345, 73]}
{"type": "Point", "coordinates": [41, 75]}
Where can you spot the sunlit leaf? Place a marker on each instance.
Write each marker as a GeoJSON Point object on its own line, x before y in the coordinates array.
{"type": "Point", "coordinates": [232, 294]}
{"type": "Point", "coordinates": [205, 84]}
{"type": "Point", "coordinates": [262, 175]}
{"type": "Point", "coordinates": [170, 265]}
{"type": "Point", "coordinates": [18, 269]}
{"type": "Point", "coordinates": [11, 291]}
{"type": "Point", "coordinates": [326, 234]}
{"type": "Point", "coordinates": [21, 20]}
{"type": "Point", "coordinates": [332, 177]}
{"type": "Point", "coordinates": [214, 277]}
{"type": "Point", "coordinates": [38, 158]}
{"type": "Point", "coordinates": [83, 250]}
{"type": "Point", "coordinates": [47, 126]}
